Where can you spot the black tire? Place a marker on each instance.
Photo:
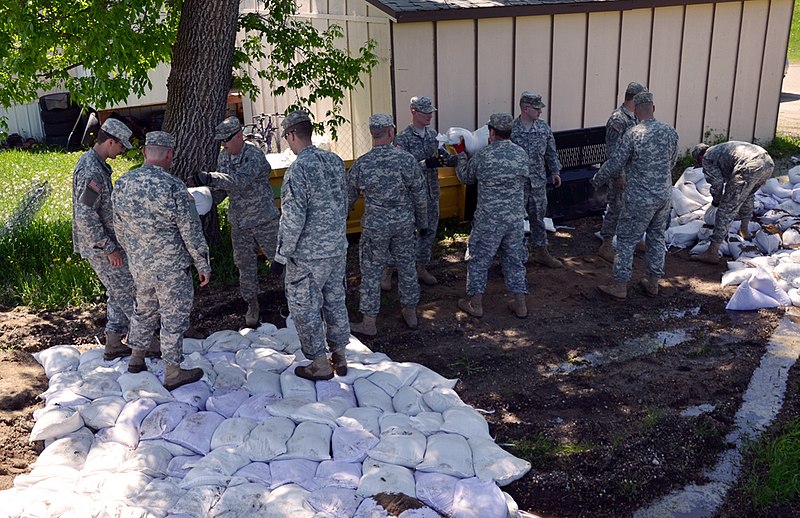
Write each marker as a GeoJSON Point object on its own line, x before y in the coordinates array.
{"type": "Point", "coordinates": [60, 128]}
{"type": "Point", "coordinates": [59, 141]}
{"type": "Point", "coordinates": [60, 116]}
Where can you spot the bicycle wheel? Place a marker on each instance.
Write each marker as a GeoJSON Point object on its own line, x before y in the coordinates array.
{"type": "Point", "coordinates": [273, 142]}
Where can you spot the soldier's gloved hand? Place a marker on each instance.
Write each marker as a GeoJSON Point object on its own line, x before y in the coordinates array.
{"type": "Point", "coordinates": [446, 159]}
{"type": "Point", "coordinates": [278, 265]}
{"type": "Point", "coordinates": [432, 162]}
{"type": "Point", "coordinates": [425, 232]}
{"type": "Point", "coordinates": [714, 203]}
{"type": "Point", "coordinates": [200, 178]}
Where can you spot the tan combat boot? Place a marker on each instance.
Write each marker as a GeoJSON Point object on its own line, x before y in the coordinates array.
{"type": "Point", "coordinates": [339, 362]}
{"type": "Point", "coordinates": [136, 363]}
{"type": "Point", "coordinates": [744, 229]}
{"type": "Point", "coordinates": [425, 276]}
{"type": "Point", "coordinates": [618, 290]}
{"type": "Point", "coordinates": [154, 349]}
{"type": "Point", "coordinates": [410, 316]}
{"type": "Point", "coordinates": [365, 327]}
{"type": "Point", "coordinates": [318, 370]}
{"type": "Point", "coordinates": [650, 284]}
{"type": "Point", "coordinates": [386, 279]}
{"type": "Point", "coordinates": [176, 377]}
{"type": "Point", "coordinates": [606, 250]}
{"type": "Point", "coordinates": [710, 256]}
{"type": "Point", "coordinates": [251, 317]}
{"type": "Point", "coordinates": [473, 305]}
{"type": "Point", "coordinates": [542, 256]}
{"type": "Point", "coordinates": [518, 306]}
{"type": "Point", "coordinates": [114, 347]}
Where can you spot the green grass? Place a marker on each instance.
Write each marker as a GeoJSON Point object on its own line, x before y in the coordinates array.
{"type": "Point", "coordinates": [38, 268]}
{"type": "Point", "coordinates": [541, 450]}
{"type": "Point", "coordinates": [775, 477]}
{"type": "Point", "coordinates": [794, 36]}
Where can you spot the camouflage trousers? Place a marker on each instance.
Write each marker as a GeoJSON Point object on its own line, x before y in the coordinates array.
{"type": "Point", "coordinates": [166, 295]}
{"type": "Point", "coordinates": [613, 210]}
{"type": "Point", "coordinates": [120, 292]}
{"type": "Point", "coordinates": [638, 217]}
{"type": "Point", "coordinates": [739, 197]}
{"type": "Point", "coordinates": [425, 244]}
{"type": "Point", "coordinates": [536, 206]}
{"type": "Point", "coordinates": [484, 242]}
{"type": "Point", "coordinates": [246, 242]}
{"type": "Point", "coordinates": [375, 250]}
{"type": "Point", "coordinates": [315, 292]}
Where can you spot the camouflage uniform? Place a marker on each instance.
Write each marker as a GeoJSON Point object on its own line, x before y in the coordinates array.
{"type": "Point", "coordinates": [395, 202]}
{"type": "Point", "coordinates": [312, 239]}
{"type": "Point", "coordinates": [424, 145]}
{"type": "Point", "coordinates": [647, 153]}
{"type": "Point", "coordinates": [620, 121]}
{"type": "Point", "coordinates": [537, 140]}
{"type": "Point", "coordinates": [252, 213]}
{"type": "Point", "coordinates": [158, 224]}
{"type": "Point", "coordinates": [735, 170]}
{"type": "Point", "coordinates": [501, 172]}
{"type": "Point", "coordinates": [93, 237]}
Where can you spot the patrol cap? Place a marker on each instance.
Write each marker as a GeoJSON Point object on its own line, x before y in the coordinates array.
{"type": "Point", "coordinates": [380, 121]}
{"type": "Point", "coordinates": [159, 138]}
{"type": "Point", "coordinates": [501, 121]}
{"type": "Point", "coordinates": [643, 98]}
{"type": "Point", "coordinates": [227, 128]}
{"type": "Point", "coordinates": [698, 150]}
{"type": "Point", "coordinates": [117, 129]}
{"type": "Point", "coordinates": [532, 99]}
{"type": "Point", "coordinates": [294, 118]}
{"type": "Point", "coordinates": [422, 104]}
{"type": "Point", "coordinates": [634, 88]}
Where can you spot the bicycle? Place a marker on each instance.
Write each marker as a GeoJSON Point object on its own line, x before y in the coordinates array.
{"type": "Point", "coordinates": [264, 133]}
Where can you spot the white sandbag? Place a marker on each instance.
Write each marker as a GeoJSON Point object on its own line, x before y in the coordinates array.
{"type": "Point", "coordinates": [159, 496]}
{"type": "Point", "coordinates": [736, 277]}
{"type": "Point", "coordinates": [766, 242]}
{"type": "Point", "coordinates": [710, 217]}
{"type": "Point", "coordinates": [262, 337]}
{"type": "Point", "coordinates": [102, 412]}
{"type": "Point", "coordinates": [194, 345]}
{"type": "Point", "coordinates": [197, 501]}
{"type": "Point", "coordinates": [105, 456]}
{"type": "Point", "coordinates": [195, 394]}
{"type": "Point", "coordinates": [491, 462]}
{"type": "Point", "coordinates": [789, 206]}
{"type": "Point", "coordinates": [366, 418]}
{"type": "Point", "coordinates": [696, 215]}
{"type": "Point", "coordinates": [442, 398]}
{"type": "Point", "coordinates": [59, 358]}
{"type": "Point", "coordinates": [296, 387]}
{"type": "Point", "coordinates": [428, 379]}
{"type": "Point", "coordinates": [65, 398]}
{"type": "Point", "coordinates": [683, 236]}
{"type": "Point", "coordinates": [333, 473]}
{"type": "Point", "coordinates": [785, 223]}
{"type": "Point", "coordinates": [466, 421]}
{"type": "Point", "coordinates": [226, 459]}
{"type": "Point", "coordinates": [692, 174]}
{"type": "Point", "coordinates": [370, 395]}
{"type": "Point", "coordinates": [311, 441]}
{"type": "Point", "coordinates": [329, 389]}
{"type": "Point", "coordinates": [787, 270]}
{"type": "Point", "coordinates": [229, 375]}
{"type": "Point", "coordinates": [427, 422]}
{"type": "Point", "coordinates": [195, 431]}
{"type": "Point", "coordinates": [264, 382]}
{"type": "Point", "coordinates": [409, 401]}
{"type": "Point", "coordinates": [177, 467]}
{"type": "Point", "coordinates": [690, 191]}
{"type": "Point", "coordinates": [289, 501]}
{"type": "Point", "coordinates": [268, 439]}
{"type": "Point", "coordinates": [449, 454]}
{"type": "Point", "coordinates": [705, 233]}
{"type": "Point", "coordinates": [226, 340]}
{"type": "Point", "coordinates": [791, 238]}
{"type": "Point", "coordinates": [68, 451]}
{"type": "Point", "coordinates": [394, 421]}
{"type": "Point", "coordinates": [774, 187]}
{"type": "Point", "coordinates": [355, 371]}
{"type": "Point", "coordinates": [294, 471]}
{"type": "Point", "coordinates": [232, 432]}
{"type": "Point", "coordinates": [794, 174]}
{"type": "Point", "coordinates": [150, 459]}
{"type": "Point", "coordinates": [256, 407]}
{"type": "Point", "coordinates": [226, 402]}
{"type": "Point", "coordinates": [199, 477]}
{"type": "Point", "coordinates": [95, 385]}
{"type": "Point", "coordinates": [126, 430]}
{"type": "Point", "coordinates": [335, 501]}
{"type": "Point", "coordinates": [400, 447]}
{"type": "Point", "coordinates": [323, 412]}
{"type": "Point", "coordinates": [390, 376]}
{"type": "Point", "coordinates": [436, 490]}
{"type": "Point", "coordinates": [736, 265]}
{"type": "Point", "coordinates": [474, 498]}
{"type": "Point", "coordinates": [379, 477]}
{"type": "Point", "coordinates": [794, 296]}
{"type": "Point", "coordinates": [123, 485]}
{"type": "Point", "coordinates": [700, 248]}
{"type": "Point", "coordinates": [54, 423]}
{"type": "Point", "coordinates": [143, 385]}
{"type": "Point", "coordinates": [473, 140]}
{"type": "Point", "coordinates": [351, 444]}
{"type": "Point", "coordinates": [264, 358]}
{"type": "Point", "coordinates": [257, 472]}
{"type": "Point", "coordinates": [202, 199]}
{"type": "Point", "coordinates": [760, 291]}
{"type": "Point", "coordinates": [49, 477]}
{"type": "Point", "coordinates": [285, 407]}
{"type": "Point", "coordinates": [242, 501]}
{"type": "Point", "coordinates": [163, 419]}
{"type": "Point", "coordinates": [682, 204]}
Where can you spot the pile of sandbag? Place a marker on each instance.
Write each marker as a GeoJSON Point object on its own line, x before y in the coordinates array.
{"type": "Point", "coordinates": [766, 268]}
{"type": "Point", "coordinates": [253, 439]}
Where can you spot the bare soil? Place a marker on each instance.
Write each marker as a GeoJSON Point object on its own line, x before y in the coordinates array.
{"type": "Point", "coordinates": [603, 439]}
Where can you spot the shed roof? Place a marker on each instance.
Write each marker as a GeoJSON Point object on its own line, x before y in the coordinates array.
{"type": "Point", "coordinates": [435, 10]}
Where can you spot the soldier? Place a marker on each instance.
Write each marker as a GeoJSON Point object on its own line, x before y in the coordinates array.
{"type": "Point", "coordinates": [620, 121]}
{"type": "Point", "coordinates": [735, 170]}
{"type": "Point", "coordinates": [312, 242]}
{"type": "Point", "coordinates": [93, 234]}
{"type": "Point", "coordinates": [395, 202]}
{"type": "Point", "coordinates": [158, 225]}
{"type": "Point", "coordinates": [244, 175]}
{"type": "Point", "coordinates": [419, 139]}
{"type": "Point", "coordinates": [647, 153]}
{"type": "Point", "coordinates": [535, 137]}
{"type": "Point", "coordinates": [501, 171]}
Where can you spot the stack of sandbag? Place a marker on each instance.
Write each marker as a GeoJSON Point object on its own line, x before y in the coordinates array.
{"type": "Point", "coordinates": [253, 439]}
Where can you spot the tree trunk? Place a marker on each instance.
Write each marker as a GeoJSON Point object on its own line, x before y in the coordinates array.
{"type": "Point", "coordinates": [197, 89]}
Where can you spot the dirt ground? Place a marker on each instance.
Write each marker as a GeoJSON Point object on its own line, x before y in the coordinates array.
{"type": "Point", "coordinates": [603, 432]}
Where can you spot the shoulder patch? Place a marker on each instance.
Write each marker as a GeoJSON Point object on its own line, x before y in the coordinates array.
{"type": "Point", "coordinates": [616, 127]}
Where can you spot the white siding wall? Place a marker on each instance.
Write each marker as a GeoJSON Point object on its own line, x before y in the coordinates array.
{"type": "Point", "coordinates": [24, 119]}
